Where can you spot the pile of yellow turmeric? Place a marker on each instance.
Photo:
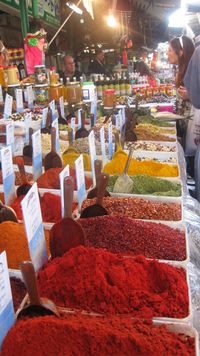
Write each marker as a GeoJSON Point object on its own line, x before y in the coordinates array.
{"type": "Point", "coordinates": [151, 168]}
{"type": "Point", "coordinates": [71, 157]}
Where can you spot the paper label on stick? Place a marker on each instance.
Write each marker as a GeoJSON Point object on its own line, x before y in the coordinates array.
{"type": "Point", "coordinates": [19, 100]}
{"type": "Point", "coordinates": [55, 124]}
{"type": "Point", "coordinates": [120, 121]}
{"type": "Point", "coordinates": [62, 109]}
{"type": "Point", "coordinates": [117, 121]}
{"type": "Point", "coordinates": [73, 122]}
{"type": "Point", "coordinates": [8, 106]}
{"type": "Point", "coordinates": [10, 134]}
{"type": "Point", "coordinates": [52, 106]}
{"type": "Point", "coordinates": [27, 123]}
{"type": "Point", "coordinates": [34, 228]}
{"type": "Point", "coordinates": [80, 180]}
{"type": "Point", "coordinates": [103, 147]}
{"type": "Point", "coordinates": [8, 175]}
{"type": "Point", "coordinates": [7, 314]}
{"type": "Point", "coordinates": [123, 116]}
{"type": "Point", "coordinates": [110, 141]}
{"type": "Point", "coordinates": [44, 117]}
{"type": "Point", "coordinates": [92, 149]}
{"type": "Point", "coordinates": [79, 118]}
{"type": "Point", "coordinates": [37, 154]}
{"type": "Point", "coordinates": [93, 109]}
{"type": "Point", "coordinates": [30, 96]}
{"type": "Point", "coordinates": [65, 173]}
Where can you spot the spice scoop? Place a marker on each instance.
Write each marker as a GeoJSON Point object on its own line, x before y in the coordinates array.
{"type": "Point", "coordinates": [93, 192]}
{"type": "Point", "coordinates": [71, 148]}
{"type": "Point", "coordinates": [37, 306]}
{"type": "Point", "coordinates": [124, 183]}
{"type": "Point", "coordinates": [28, 149]}
{"type": "Point", "coordinates": [25, 186]}
{"type": "Point", "coordinates": [82, 132]}
{"type": "Point", "coordinates": [66, 233]}
{"type": "Point", "coordinates": [97, 209]}
{"type": "Point", "coordinates": [7, 213]}
{"type": "Point", "coordinates": [52, 159]}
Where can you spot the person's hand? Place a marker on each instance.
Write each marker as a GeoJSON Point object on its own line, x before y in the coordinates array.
{"type": "Point", "coordinates": [182, 91]}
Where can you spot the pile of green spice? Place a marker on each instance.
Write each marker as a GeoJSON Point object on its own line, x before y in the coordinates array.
{"type": "Point", "coordinates": [144, 184]}
{"type": "Point", "coordinates": [147, 119]}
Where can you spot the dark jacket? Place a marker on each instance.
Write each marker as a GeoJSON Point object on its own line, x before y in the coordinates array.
{"type": "Point", "coordinates": [97, 67]}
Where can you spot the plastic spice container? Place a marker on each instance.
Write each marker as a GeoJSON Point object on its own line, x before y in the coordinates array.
{"type": "Point", "coordinates": [12, 75]}
{"type": "Point", "coordinates": [109, 98]}
{"type": "Point", "coordinates": [73, 93]}
{"type": "Point", "coordinates": [41, 94]}
{"type": "Point", "coordinates": [40, 74]}
{"type": "Point", "coordinates": [54, 92]}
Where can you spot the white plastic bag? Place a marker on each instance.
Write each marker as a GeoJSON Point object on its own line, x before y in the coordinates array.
{"type": "Point", "coordinates": [193, 133]}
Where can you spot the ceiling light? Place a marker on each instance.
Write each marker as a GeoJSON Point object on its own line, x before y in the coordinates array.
{"type": "Point", "coordinates": [111, 21]}
{"type": "Point", "coordinates": [74, 8]}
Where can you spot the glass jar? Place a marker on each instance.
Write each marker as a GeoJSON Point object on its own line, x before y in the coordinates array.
{"type": "Point", "coordinates": [41, 94]}
{"type": "Point", "coordinates": [12, 75]}
{"type": "Point", "coordinates": [169, 90]}
{"type": "Point", "coordinates": [109, 98]}
{"type": "Point", "coordinates": [54, 92]}
{"type": "Point", "coordinates": [40, 75]}
{"type": "Point", "coordinates": [73, 93]}
{"type": "Point", "coordinates": [54, 79]}
{"type": "Point", "coordinates": [2, 77]}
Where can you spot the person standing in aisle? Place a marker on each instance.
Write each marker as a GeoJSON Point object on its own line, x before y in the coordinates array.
{"type": "Point", "coordinates": [180, 52]}
{"type": "Point", "coordinates": [69, 70]}
{"type": "Point", "coordinates": [97, 65]}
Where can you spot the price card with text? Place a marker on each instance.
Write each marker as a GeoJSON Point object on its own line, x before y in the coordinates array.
{"type": "Point", "coordinates": [62, 175]}
{"type": "Point", "coordinates": [62, 109]}
{"type": "Point", "coordinates": [1, 94]}
{"type": "Point", "coordinates": [73, 122]}
{"type": "Point", "coordinates": [110, 141]}
{"type": "Point", "coordinates": [37, 154]}
{"type": "Point", "coordinates": [19, 100]}
{"type": "Point", "coordinates": [44, 117]}
{"type": "Point", "coordinates": [27, 124]}
{"type": "Point", "coordinates": [32, 217]}
{"type": "Point", "coordinates": [79, 118]}
{"type": "Point", "coordinates": [10, 134]}
{"type": "Point", "coordinates": [8, 106]}
{"type": "Point", "coordinates": [7, 314]}
{"type": "Point", "coordinates": [93, 110]}
{"type": "Point", "coordinates": [123, 116]}
{"type": "Point", "coordinates": [52, 106]}
{"type": "Point", "coordinates": [92, 149]}
{"type": "Point", "coordinates": [117, 121]}
{"type": "Point", "coordinates": [103, 147]}
{"type": "Point", "coordinates": [8, 175]}
{"type": "Point", "coordinates": [55, 124]}
{"type": "Point", "coordinates": [120, 121]}
{"type": "Point", "coordinates": [80, 180]}
{"type": "Point", "coordinates": [30, 96]}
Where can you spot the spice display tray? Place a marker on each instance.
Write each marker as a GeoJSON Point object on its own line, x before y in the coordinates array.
{"type": "Point", "coordinates": [34, 124]}
{"type": "Point", "coordinates": [161, 156]}
{"type": "Point", "coordinates": [180, 328]}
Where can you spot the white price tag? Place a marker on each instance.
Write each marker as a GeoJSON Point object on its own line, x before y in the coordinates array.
{"type": "Point", "coordinates": [55, 124]}
{"type": "Point", "coordinates": [120, 121]}
{"type": "Point", "coordinates": [7, 314]}
{"type": "Point", "coordinates": [92, 149]}
{"type": "Point", "coordinates": [110, 141]}
{"type": "Point", "coordinates": [10, 134]}
{"type": "Point", "coordinates": [80, 180]}
{"type": "Point", "coordinates": [52, 106]}
{"type": "Point", "coordinates": [8, 106]}
{"type": "Point", "coordinates": [30, 96]}
{"type": "Point", "coordinates": [34, 228]}
{"type": "Point", "coordinates": [27, 123]}
{"type": "Point", "coordinates": [79, 118]}
{"type": "Point", "coordinates": [62, 110]}
{"type": "Point", "coordinates": [19, 100]}
{"type": "Point", "coordinates": [73, 122]}
{"type": "Point", "coordinates": [65, 173]}
{"type": "Point", "coordinates": [37, 154]}
{"type": "Point", "coordinates": [1, 94]}
{"type": "Point", "coordinates": [8, 174]}
{"type": "Point", "coordinates": [103, 147]}
{"type": "Point", "coordinates": [44, 117]}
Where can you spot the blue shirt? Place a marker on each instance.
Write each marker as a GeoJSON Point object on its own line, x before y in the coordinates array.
{"type": "Point", "coordinates": [192, 78]}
